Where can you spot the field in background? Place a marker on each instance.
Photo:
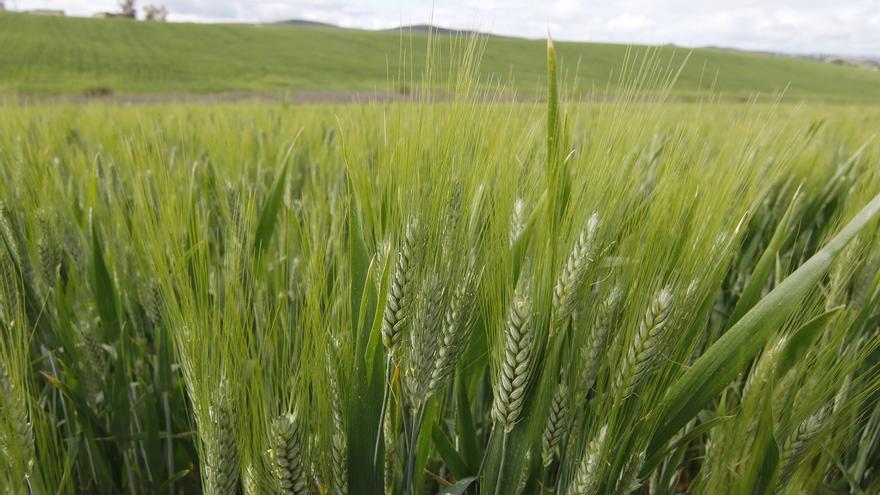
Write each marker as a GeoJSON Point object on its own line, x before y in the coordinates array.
{"type": "Point", "coordinates": [51, 56]}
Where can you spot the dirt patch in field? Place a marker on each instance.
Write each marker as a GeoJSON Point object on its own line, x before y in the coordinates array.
{"type": "Point", "coordinates": [299, 97]}
{"type": "Point", "coordinates": [296, 98]}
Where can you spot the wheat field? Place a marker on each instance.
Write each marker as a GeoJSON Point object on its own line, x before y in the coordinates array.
{"type": "Point", "coordinates": [453, 296]}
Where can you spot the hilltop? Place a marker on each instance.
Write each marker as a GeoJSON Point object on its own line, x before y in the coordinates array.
{"type": "Point", "coordinates": [65, 55]}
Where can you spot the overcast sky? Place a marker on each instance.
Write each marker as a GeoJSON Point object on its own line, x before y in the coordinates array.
{"type": "Point", "coordinates": [798, 26]}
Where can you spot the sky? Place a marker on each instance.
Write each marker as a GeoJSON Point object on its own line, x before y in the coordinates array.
{"type": "Point", "coordinates": [845, 27]}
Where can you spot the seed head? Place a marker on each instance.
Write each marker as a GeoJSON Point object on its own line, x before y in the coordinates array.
{"type": "Point", "coordinates": [573, 275]}
{"type": "Point", "coordinates": [288, 456]}
{"type": "Point", "coordinates": [557, 422]}
{"type": "Point", "coordinates": [222, 466]}
{"type": "Point", "coordinates": [516, 362]}
{"type": "Point", "coordinates": [586, 480]}
{"type": "Point", "coordinates": [397, 305]}
{"type": "Point", "coordinates": [645, 348]}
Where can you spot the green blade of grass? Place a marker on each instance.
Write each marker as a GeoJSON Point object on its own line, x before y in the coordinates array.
{"type": "Point", "coordinates": [374, 343]}
{"type": "Point", "coordinates": [552, 105]}
{"type": "Point", "coordinates": [459, 487]}
{"type": "Point", "coordinates": [359, 264]}
{"type": "Point", "coordinates": [761, 468]}
{"type": "Point", "coordinates": [104, 291]}
{"type": "Point", "coordinates": [801, 340]}
{"type": "Point", "coordinates": [424, 443]}
{"type": "Point", "coordinates": [727, 356]}
{"type": "Point", "coordinates": [269, 212]}
{"type": "Point", "coordinates": [457, 466]}
{"type": "Point", "coordinates": [464, 424]}
{"type": "Point", "coordinates": [758, 279]}
{"type": "Point", "coordinates": [690, 436]}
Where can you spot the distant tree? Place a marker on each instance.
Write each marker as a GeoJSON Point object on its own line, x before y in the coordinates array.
{"type": "Point", "coordinates": [127, 8]}
{"type": "Point", "coordinates": [2, 7]}
{"type": "Point", "coordinates": [155, 12]}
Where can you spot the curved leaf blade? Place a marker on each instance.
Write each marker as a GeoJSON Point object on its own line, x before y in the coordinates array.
{"type": "Point", "coordinates": [726, 357]}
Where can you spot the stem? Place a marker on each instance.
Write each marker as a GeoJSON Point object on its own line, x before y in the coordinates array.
{"type": "Point", "coordinates": [563, 452]}
{"type": "Point", "coordinates": [501, 466]}
{"type": "Point", "coordinates": [486, 452]}
{"type": "Point", "coordinates": [545, 477]}
{"type": "Point", "coordinates": [132, 400]}
{"type": "Point", "coordinates": [413, 446]}
{"type": "Point", "coordinates": [384, 410]}
{"type": "Point", "coordinates": [169, 443]}
{"type": "Point", "coordinates": [67, 420]}
{"type": "Point", "coordinates": [129, 473]}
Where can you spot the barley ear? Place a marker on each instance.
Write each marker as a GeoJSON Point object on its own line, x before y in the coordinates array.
{"type": "Point", "coordinates": [382, 252]}
{"type": "Point", "coordinates": [14, 408]}
{"type": "Point", "coordinates": [15, 245]}
{"type": "Point", "coordinates": [249, 482]}
{"type": "Point", "coordinates": [95, 365]}
{"type": "Point", "coordinates": [586, 478]}
{"type": "Point", "coordinates": [573, 274]}
{"type": "Point", "coordinates": [338, 442]}
{"type": "Point", "coordinates": [390, 464]}
{"type": "Point", "coordinates": [557, 422]}
{"type": "Point", "coordinates": [397, 305]}
{"type": "Point", "coordinates": [629, 480]}
{"type": "Point", "coordinates": [594, 348]}
{"type": "Point", "coordinates": [222, 469]}
{"type": "Point", "coordinates": [797, 444]}
{"type": "Point", "coordinates": [424, 338]}
{"type": "Point", "coordinates": [517, 221]}
{"type": "Point", "coordinates": [49, 248]}
{"type": "Point", "coordinates": [523, 478]}
{"type": "Point", "coordinates": [451, 222]}
{"type": "Point", "coordinates": [288, 456]}
{"type": "Point", "coordinates": [453, 333]}
{"type": "Point", "coordinates": [642, 354]}
{"type": "Point", "coordinates": [515, 366]}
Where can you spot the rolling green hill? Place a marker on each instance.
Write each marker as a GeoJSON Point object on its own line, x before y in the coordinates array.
{"type": "Point", "coordinates": [54, 55]}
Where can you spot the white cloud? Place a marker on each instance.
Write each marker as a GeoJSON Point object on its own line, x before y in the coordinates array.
{"type": "Point", "coordinates": [627, 22]}
{"type": "Point", "coordinates": [568, 7]}
{"type": "Point", "coordinates": [814, 26]}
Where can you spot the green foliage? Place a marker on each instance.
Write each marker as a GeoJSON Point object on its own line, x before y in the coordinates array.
{"type": "Point", "coordinates": [456, 297]}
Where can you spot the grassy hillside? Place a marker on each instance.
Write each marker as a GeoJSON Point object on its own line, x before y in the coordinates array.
{"type": "Point", "coordinates": [40, 55]}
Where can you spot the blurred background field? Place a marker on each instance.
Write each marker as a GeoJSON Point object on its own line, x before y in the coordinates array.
{"type": "Point", "coordinates": [75, 56]}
